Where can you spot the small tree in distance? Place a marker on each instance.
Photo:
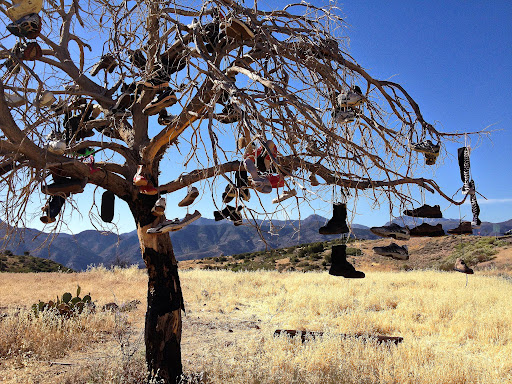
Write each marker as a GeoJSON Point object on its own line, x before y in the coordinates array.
{"type": "Point", "coordinates": [235, 75]}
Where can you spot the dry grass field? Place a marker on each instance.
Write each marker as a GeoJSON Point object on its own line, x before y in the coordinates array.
{"type": "Point", "coordinates": [452, 333]}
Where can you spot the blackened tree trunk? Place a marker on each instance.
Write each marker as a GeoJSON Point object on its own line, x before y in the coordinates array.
{"type": "Point", "coordinates": [165, 301]}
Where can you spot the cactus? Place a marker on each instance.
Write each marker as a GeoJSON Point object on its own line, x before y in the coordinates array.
{"type": "Point", "coordinates": [78, 289]}
{"type": "Point", "coordinates": [66, 297]}
{"type": "Point", "coordinates": [75, 300]}
{"type": "Point", "coordinates": [87, 299]}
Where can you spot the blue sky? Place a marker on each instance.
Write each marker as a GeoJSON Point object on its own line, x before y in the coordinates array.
{"type": "Point", "coordinates": [454, 58]}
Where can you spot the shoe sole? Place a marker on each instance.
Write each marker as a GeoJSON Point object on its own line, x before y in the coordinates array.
{"type": "Point", "coordinates": [157, 107]}
{"type": "Point", "coordinates": [176, 227]}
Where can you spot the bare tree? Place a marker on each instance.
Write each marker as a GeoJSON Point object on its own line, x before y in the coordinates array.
{"type": "Point", "coordinates": [232, 71]}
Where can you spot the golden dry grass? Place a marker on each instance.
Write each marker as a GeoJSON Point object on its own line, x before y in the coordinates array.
{"type": "Point", "coordinates": [452, 333]}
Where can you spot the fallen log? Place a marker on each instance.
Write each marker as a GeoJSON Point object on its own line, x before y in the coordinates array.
{"type": "Point", "coordinates": [304, 335]}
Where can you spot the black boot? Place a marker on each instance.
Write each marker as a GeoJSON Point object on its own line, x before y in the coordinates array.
{"type": "Point", "coordinates": [52, 209]}
{"type": "Point", "coordinates": [338, 223]}
{"type": "Point", "coordinates": [340, 266]}
{"type": "Point", "coordinates": [226, 213]}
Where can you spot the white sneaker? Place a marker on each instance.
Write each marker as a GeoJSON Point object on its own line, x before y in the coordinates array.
{"type": "Point", "coordinates": [192, 194]}
{"type": "Point", "coordinates": [47, 99]}
{"type": "Point", "coordinates": [344, 116]}
{"type": "Point", "coordinates": [350, 98]}
{"type": "Point", "coordinates": [285, 195]}
{"type": "Point", "coordinates": [174, 225]}
{"type": "Point", "coordinates": [57, 147]}
{"type": "Point", "coordinates": [159, 207]}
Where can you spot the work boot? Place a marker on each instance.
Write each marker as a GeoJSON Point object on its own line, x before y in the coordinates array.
{"type": "Point", "coordinates": [337, 224]}
{"type": "Point", "coordinates": [164, 118]}
{"type": "Point", "coordinates": [107, 62]}
{"type": "Point", "coordinates": [137, 58]}
{"type": "Point", "coordinates": [340, 266]}
{"type": "Point", "coordinates": [464, 228]}
{"type": "Point", "coordinates": [460, 266]}
{"type": "Point", "coordinates": [393, 230]}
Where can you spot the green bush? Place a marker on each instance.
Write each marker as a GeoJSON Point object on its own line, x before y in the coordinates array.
{"type": "Point", "coordinates": [472, 253]}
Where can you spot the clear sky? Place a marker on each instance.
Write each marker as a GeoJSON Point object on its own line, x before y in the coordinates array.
{"type": "Point", "coordinates": [454, 58]}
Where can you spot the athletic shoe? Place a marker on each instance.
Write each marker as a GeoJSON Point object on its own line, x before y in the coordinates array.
{"type": "Point", "coordinates": [24, 8]}
{"type": "Point", "coordinates": [57, 147]}
{"type": "Point", "coordinates": [285, 195]}
{"type": "Point", "coordinates": [393, 230]}
{"type": "Point", "coordinates": [464, 228]}
{"type": "Point", "coordinates": [229, 193]}
{"type": "Point", "coordinates": [343, 116]}
{"type": "Point", "coordinates": [174, 225]}
{"type": "Point", "coordinates": [226, 213]}
{"type": "Point", "coordinates": [427, 230]}
{"type": "Point", "coordinates": [161, 101]}
{"type": "Point", "coordinates": [123, 103]}
{"type": "Point", "coordinates": [28, 26]}
{"type": "Point", "coordinates": [338, 223]}
{"type": "Point", "coordinates": [159, 207]}
{"type": "Point", "coordinates": [164, 118]}
{"type": "Point", "coordinates": [139, 180]}
{"type": "Point", "coordinates": [508, 233]}
{"type": "Point", "coordinates": [425, 211]}
{"type": "Point", "coordinates": [460, 266]}
{"type": "Point", "coordinates": [148, 189]}
{"type": "Point", "coordinates": [14, 100]}
{"type": "Point", "coordinates": [353, 97]}
{"type": "Point", "coordinates": [155, 84]}
{"type": "Point", "coordinates": [261, 184]}
{"type": "Point", "coordinates": [340, 266]}
{"type": "Point", "coordinates": [192, 194]}
{"type": "Point", "coordinates": [107, 62]}
{"type": "Point", "coordinates": [394, 251]}
{"type": "Point", "coordinates": [426, 147]}
{"type": "Point", "coordinates": [46, 99]}
{"type": "Point", "coordinates": [236, 29]}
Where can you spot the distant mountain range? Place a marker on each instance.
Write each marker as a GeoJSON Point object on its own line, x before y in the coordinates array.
{"type": "Point", "coordinates": [203, 238]}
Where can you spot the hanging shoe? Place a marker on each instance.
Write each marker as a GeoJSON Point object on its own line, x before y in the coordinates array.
{"type": "Point", "coordinates": [430, 159]}
{"type": "Point", "coordinates": [393, 230]}
{"type": "Point", "coordinates": [164, 118]}
{"type": "Point", "coordinates": [425, 211]}
{"type": "Point", "coordinates": [227, 212]}
{"type": "Point", "coordinates": [107, 62]}
{"type": "Point", "coordinates": [174, 225]}
{"type": "Point", "coordinates": [337, 224]}
{"type": "Point", "coordinates": [394, 251]}
{"type": "Point", "coordinates": [52, 209]}
{"type": "Point", "coordinates": [340, 266]}
{"type": "Point", "coordinates": [427, 230]}
{"type": "Point", "coordinates": [24, 8]}
{"type": "Point", "coordinates": [47, 99]}
{"type": "Point", "coordinates": [313, 180]}
{"type": "Point", "coordinates": [28, 26]}
{"type": "Point", "coordinates": [464, 228]}
{"type": "Point", "coordinates": [426, 147]}
{"type": "Point", "coordinates": [64, 187]}
{"type": "Point", "coordinates": [342, 116]}
{"type": "Point", "coordinates": [285, 195]}
{"type": "Point", "coordinates": [192, 194]}
{"type": "Point", "coordinates": [107, 206]}
{"type": "Point", "coordinates": [460, 266]}
{"type": "Point", "coordinates": [354, 97]}
{"type": "Point", "coordinates": [137, 58]}
{"type": "Point", "coordinates": [148, 189]}
{"type": "Point", "coordinates": [157, 83]}
{"type": "Point", "coordinates": [14, 100]}
{"type": "Point", "coordinates": [161, 101]}
{"type": "Point", "coordinates": [244, 194]}
{"type": "Point", "coordinates": [228, 115]}
{"type": "Point", "coordinates": [123, 104]}
{"type": "Point", "coordinates": [228, 194]}
{"type": "Point", "coordinates": [57, 147]}
{"type": "Point", "coordinates": [139, 180]}
{"type": "Point", "coordinates": [236, 29]}
{"type": "Point", "coordinates": [261, 184]}
{"type": "Point", "coordinates": [159, 207]}
{"type": "Point", "coordinates": [32, 51]}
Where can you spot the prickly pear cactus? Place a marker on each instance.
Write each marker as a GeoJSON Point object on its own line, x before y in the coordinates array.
{"type": "Point", "coordinates": [66, 306]}
{"type": "Point", "coordinates": [66, 297]}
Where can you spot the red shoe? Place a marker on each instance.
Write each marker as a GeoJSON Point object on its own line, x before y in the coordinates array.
{"type": "Point", "coordinates": [148, 190]}
{"type": "Point", "coordinates": [139, 180]}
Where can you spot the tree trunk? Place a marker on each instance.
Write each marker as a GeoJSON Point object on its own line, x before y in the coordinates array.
{"type": "Point", "coordinates": [165, 301]}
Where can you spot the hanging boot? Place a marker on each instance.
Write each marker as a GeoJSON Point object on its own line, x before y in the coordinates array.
{"type": "Point", "coordinates": [337, 224]}
{"type": "Point", "coordinates": [107, 206]}
{"type": "Point", "coordinates": [340, 266]}
{"type": "Point", "coordinates": [52, 209]}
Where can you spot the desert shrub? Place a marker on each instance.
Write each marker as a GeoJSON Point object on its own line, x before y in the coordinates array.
{"type": "Point", "coordinates": [472, 253]}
